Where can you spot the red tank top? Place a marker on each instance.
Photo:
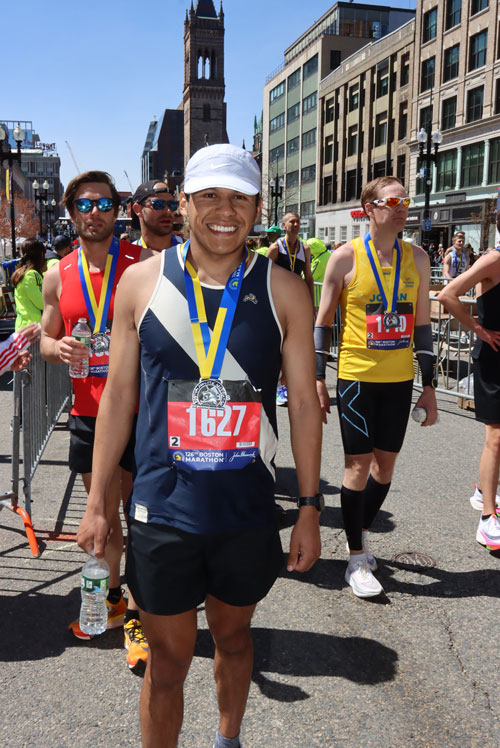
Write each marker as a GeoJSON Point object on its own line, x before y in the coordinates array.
{"type": "Point", "coordinates": [88, 391]}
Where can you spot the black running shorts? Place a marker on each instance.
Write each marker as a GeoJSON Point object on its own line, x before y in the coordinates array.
{"type": "Point", "coordinates": [169, 571]}
{"type": "Point", "coordinates": [487, 391]}
{"type": "Point", "coordinates": [373, 415]}
{"type": "Point", "coordinates": [81, 445]}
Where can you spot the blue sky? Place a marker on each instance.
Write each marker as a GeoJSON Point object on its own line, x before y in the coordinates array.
{"type": "Point", "coordinates": [95, 73]}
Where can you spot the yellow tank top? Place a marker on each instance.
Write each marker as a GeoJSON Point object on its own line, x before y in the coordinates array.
{"type": "Point", "coordinates": [370, 349]}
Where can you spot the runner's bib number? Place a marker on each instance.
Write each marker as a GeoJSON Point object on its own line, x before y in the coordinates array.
{"type": "Point", "coordinates": [213, 438]}
{"type": "Point", "coordinates": [393, 338]}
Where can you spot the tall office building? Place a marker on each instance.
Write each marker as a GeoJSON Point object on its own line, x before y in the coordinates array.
{"type": "Point", "coordinates": [290, 118]}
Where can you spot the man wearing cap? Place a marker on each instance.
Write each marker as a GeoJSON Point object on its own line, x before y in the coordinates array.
{"type": "Point", "coordinates": [154, 208]}
{"type": "Point", "coordinates": [61, 246]}
{"type": "Point", "coordinates": [200, 334]}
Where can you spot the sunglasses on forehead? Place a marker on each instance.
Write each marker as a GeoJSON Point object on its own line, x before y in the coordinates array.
{"type": "Point", "coordinates": [158, 203]}
{"type": "Point", "coordinates": [392, 202]}
{"type": "Point", "coordinates": [84, 205]}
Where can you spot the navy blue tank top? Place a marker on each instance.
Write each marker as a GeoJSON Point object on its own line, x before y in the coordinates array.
{"type": "Point", "coordinates": [204, 501]}
{"type": "Point", "coordinates": [488, 306]}
{"type": "Point", "coordinates": [283, 259]}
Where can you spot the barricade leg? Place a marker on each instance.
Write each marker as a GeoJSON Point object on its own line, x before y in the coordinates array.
{"type": "Point", "coordinates": [28, 527]}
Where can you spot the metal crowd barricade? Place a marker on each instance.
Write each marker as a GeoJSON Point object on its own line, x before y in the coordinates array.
{"type": "Point", "coordinates": [40, 394]}
{"type": "Point", "coordinates": [453, 346]}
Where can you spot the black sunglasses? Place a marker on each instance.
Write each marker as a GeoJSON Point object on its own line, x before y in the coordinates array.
{"type": "Point", "coordinates": [84, 205]}
{"type": "Point", "coordinates": [158, 203]}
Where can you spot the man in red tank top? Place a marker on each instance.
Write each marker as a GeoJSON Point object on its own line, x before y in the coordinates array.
{"type": "Point", "coordinates": [83, 284]}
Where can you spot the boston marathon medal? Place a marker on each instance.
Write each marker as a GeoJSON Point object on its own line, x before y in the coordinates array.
{"type": "Point", "coordinates": [391, 320]}
{"type": "Point", "coordinates": [210, 393]}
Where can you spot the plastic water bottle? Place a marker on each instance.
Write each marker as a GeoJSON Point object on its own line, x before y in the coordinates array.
{"type": "Point", "coordinates": [81, 332]}
{"type": "Point", "coordinates": [95, 585]}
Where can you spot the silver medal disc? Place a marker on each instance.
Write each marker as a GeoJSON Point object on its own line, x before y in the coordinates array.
{"type": "Point", "coordinates": [209, 393]}
{"type": "Point", "coordinates": [391, 320]}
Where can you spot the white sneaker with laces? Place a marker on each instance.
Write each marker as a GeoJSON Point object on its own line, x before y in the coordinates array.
{"type": "Point", "coordinates": [477, 500]}
{"type": "Point", "coordinates": [359, 575]}
{"type": "Point", "coordinates": [488, 533]}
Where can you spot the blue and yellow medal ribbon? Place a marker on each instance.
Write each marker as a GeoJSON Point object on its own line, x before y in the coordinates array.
{"type": "Point", "coordinates": [98, 312]}
{"type": "Point", "coordinates": [291, 259]}
{"type": "Point", "coordinates": [211, 349]}
{"type": "Point", "coordinates": [377, 272]}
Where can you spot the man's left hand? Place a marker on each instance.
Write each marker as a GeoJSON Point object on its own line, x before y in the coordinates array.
{"type": "Point", "coordinates": [427, 400]}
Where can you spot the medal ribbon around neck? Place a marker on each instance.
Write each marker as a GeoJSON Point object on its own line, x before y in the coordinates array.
{"type": "Point", "coordinates": [377, 272]}
{"type": "Point", "coordinates": [291, 259]}
{"type": "Point", "coordinates": [98, 313]}
{"type": "Point", "coordinates": [211, 349]}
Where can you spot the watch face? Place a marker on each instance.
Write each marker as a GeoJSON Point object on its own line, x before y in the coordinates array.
{"type": "Point", "coordinates": [321, 501]}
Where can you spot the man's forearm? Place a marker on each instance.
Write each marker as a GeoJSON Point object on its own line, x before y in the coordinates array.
{"type": "Point", "coordinates": [49, 348]}
{"type": "Point", "coordinates": [305, 435]}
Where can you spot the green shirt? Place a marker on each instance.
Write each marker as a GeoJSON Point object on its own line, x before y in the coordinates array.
{"type": "Point", "coordinates": [28, 298]}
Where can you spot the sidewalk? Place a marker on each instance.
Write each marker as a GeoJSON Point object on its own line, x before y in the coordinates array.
{"type": "Point", "coordinates": [415, 668]}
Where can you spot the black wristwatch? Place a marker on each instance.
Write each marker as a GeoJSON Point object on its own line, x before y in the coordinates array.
{"type": "Point", "coordinates": [433, 383]}
{"type": "Point", "coordinates": [317, 501]}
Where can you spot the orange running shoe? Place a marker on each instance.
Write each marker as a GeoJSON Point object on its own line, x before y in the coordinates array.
{"type": "Point", "coordinates": [136, 644]}
{"type": "Point", "coordinates": [116, 615]}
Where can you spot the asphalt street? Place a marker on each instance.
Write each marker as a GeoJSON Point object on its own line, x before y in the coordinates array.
{"type": "Point", "coordinates": [414, 668]}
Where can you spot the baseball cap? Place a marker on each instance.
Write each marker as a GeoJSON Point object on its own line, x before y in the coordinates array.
{"type": "Point", "coordinates": [273, 230]}
{"type": "Point", "coordinates": [225, 166]}
{"type": "Point", "coordinates": [61, 240]}
{"type": "Point", "coordinates": [148, 188]}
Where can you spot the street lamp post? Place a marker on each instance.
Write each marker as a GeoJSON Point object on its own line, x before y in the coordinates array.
{"type": "Point", "coordinates": [49, 212]}
{"type": "Point", "coordinates": [276, 185]}
{"type": "Point", "coordinates": [425, 137]}
{"type": "Point", "coordinates": [7, 155]}
{"type": "Point", "coordinates": [41, 202]}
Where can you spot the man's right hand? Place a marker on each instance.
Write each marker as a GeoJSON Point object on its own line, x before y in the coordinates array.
{"type": "Point", "coordinates": [93, 533]}
{"type": "Point", "coordinates": [71, 351]}
{"type": "Point", "coordinates": [324, 398]}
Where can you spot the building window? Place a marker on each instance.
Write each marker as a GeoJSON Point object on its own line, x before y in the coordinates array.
{"type": "Point", "coordinates": [331, 234]}
{"type": "Point", "coordinates": [310, 103]}
{"type": "Point", "coordinates": [350, 185]}
{"type": "Point", "coordinates": [405, 69]}
{"type": "Point", "coordinates": [330, 111]}
{"type": "Point", "coordinates": [477, 5]}
{"type": "Point", "coordinates": [353, 98]}
{"type": "Point", "coordinates": [403, 120]}
{"type": "Point", "coordinates": [206, 112]}
{"type": "Point", "coordinates": [292, 179]}
{"type": "Point", "coordinates": [446, 170]}
{"type": "Point", "coordinates": [381, 129]}
{"type": "Point", "coordinates": [426, 117]}
{"type": "Point", "coordinates": [401, 168]}
{"type": "Point", "coordinates": [309, 139]}
{"type": "Point", "coordinates": [277, 123]}
{"type": "Point", "coordinates": [356, 230]}
{"type": "Point", "coordinates": [327, 190]}
{"type": "Point", "coordinates": [294, 80]}
{"type": "Point", "coordinates": [450, 67]}
{"type": "Point", "coordinates": [335, 59]}
{"type": "Point", "coordinates": [477, 50]}
{"type": "Point", "coordinates": [293, 146]}
{"type": "Point", "coordinates": [430, 25]}
{"type": "Point", "coordinates": [292, 208]}
{"type": "Point", "coordinates": [277, 153]}
{"type": "Point", "coordinates": [382, 83]}
{"type": "Point", "coordinates": [449, 113]}
{"type": "Point", "coordinates": [428, 69]}
{"type": "Point", "coordinates": [293, 113]}
{"type": "Point", "coordinates": [472, 165]}
{"type": "Point", "coordinates": [329, 151]}
{"type": "Point", "coordinates": [453, 13]}
{"type": "Point", "coordinates": [494, 168]}
{"type": "Point", "coordinates": [277, 92]}
{"type": "Point", "coordinates": [308, 173]}
{"type": "Point", "coordinates": [311, 67]}
{"type": "Point", "coordinates": [352, 140]}
{"type": "Point", "coordinates": [475, 98]}
{"type": "Point", "coordinates": [497, 96]}
{"type": "Point", "coordinates": [379, 169]}
{"type": "Point", "coordinates": [307, 209]}
{"type": "Point", "coordinates": [343, 234]}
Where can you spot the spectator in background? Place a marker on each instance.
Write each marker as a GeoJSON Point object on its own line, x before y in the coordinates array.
{"type": "Point", "coordinates": [27, 283]}
{"type": "Point", "coordinates": [456, 260]}
{"type": "Point", "coordinates": [60, 248]}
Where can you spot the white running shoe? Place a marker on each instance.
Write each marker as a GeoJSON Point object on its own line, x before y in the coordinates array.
{"type": "Point", "coordinates": [488, 533]}
{"type": "Point", "coordinates": [359, 575]}
{"type": "Point", "coordinates": [370, 558]}
{"type": "Point", "coordinates": [477, 500]}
